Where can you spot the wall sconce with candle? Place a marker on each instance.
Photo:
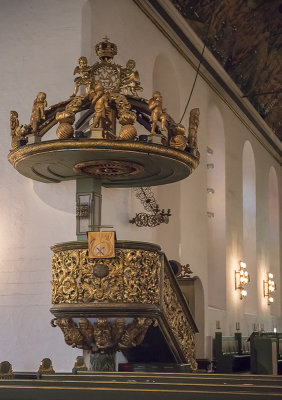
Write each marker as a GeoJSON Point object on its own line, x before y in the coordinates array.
{"type": "Point", "coordinates": [242, 277]}
{"type": "Point", "coordinates": [269, 287]}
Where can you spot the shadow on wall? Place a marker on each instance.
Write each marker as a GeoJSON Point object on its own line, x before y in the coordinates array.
{"type": "Point", "coordinates": [60, 196]}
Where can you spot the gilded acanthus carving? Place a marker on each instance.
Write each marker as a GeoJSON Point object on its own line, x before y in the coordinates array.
{"type": "Point", "coordinates": [133, 276]}
{"type": "Point", "coordinates": [72, 334]}
{"type": "Point", "coordinates": [179, 324]}
{"type": "Point", "coordinates": [103, 335]}
{"type": "Point", "coordinates": [135, 333]}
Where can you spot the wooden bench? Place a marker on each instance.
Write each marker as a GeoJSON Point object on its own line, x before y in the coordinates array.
{"type": "Point", "coordinates": [231, 353]}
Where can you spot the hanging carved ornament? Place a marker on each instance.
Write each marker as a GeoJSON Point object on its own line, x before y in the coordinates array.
{"type": "Point", "coordinates": [156, 216]}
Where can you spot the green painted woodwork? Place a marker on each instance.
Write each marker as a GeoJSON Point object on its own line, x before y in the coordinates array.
{"type": "Point", "coordinates": [88, 185]}
{"type": "Point", "coordinates": [54, 161]}
{"type": "Point", "coordinates": [139, 386]}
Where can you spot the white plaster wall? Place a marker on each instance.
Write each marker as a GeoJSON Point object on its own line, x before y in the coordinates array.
{"type": "Point", "coordinates": [41, 42]}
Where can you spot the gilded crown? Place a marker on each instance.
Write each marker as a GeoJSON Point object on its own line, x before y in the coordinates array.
{"type": "Point", "coordinates": [106, 49]}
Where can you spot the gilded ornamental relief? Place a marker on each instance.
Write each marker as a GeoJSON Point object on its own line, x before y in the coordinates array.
{"type": "Point", "coordinates": [133, 276]}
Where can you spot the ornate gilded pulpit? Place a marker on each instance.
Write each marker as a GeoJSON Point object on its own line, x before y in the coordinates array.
{"type": "Point", "coordinates": [108, 294]}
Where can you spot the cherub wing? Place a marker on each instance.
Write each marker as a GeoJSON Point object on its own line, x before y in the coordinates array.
{"type": "Point", "coordinates": [76, 70]}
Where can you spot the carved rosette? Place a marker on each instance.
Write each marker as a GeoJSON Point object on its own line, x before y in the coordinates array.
{"type": "Point", "coordinates": [179, 324]}
{"type": "Point", "coordinates": [133, 277]}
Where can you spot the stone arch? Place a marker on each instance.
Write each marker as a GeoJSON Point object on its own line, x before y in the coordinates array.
{"type": "Point", "coordinates": [165, 80]}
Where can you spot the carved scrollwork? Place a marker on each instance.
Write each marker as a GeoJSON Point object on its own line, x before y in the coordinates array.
{"type": "Point", "coordinates": [103, 335]}
{"type": "Point", "coordinates": [64, 274]}
{"type": "Point", "coordinates": [179, 324]}
{"type": "Point", "coordinates": [133, 277]}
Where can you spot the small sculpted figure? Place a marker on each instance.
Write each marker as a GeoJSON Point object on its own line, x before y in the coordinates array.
{"type": "Point", "coordinates": [157, 111]}
{"type": "Point", "coordinates": [130, 79]}
{"type": "Point", "coordinates": [100, 100]}
{"type": "Point", "coordinates": [102, 333]}
{"type": "Point", "coordinates": [193, 127]}
{"type": "Point", "coordinates": [84, 70]}
{"type": "Point", "coordinates": [118, 329]}
{"type": "Point", "coordinates": [17, 131]}
{"type": "Point", "coordinates": [86, 329]}
{"type": "Point", "coordinates": [38, 113]}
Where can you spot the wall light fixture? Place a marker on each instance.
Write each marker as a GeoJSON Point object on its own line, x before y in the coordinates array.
{"type": "Point", "coordinates": [269, 287]}
{"type": "Point", "coordinates": [242, 277]}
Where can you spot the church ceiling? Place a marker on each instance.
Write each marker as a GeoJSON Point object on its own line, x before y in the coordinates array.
{"type": "Point", "coordinates": [246, 38]}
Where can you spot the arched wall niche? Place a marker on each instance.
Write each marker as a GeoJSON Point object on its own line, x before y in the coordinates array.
{"type": "Point", "coordinates": [216, 208]}
{"type": "Point", "coordinates": [274, 237]}
{"type": "Point", "coordinates": [168, 196]}
{"type": "Point", "coordinates": [249, 224]}
{"type": "Point", "coordinates": [165, 81]}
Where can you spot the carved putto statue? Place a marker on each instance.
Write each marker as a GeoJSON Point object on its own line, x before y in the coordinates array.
{"type": "Point", "coordinates": [84, 70]}
{"type": "Point", "coordinates": [130, 79]}
{"type": "Point", "coordinates": [157, 112]}
{"type": "Point", "coordinates": [100, 101]}
{"type": "Point", "coordinates": [38, 112]}
{"type": "Point", "coordinates": [17, 131]}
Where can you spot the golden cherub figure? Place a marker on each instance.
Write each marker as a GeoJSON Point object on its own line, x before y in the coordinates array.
{"type": "Point", "coordinates": [100, 100]}
{"type": "Point", "coordinates": [38, 112]}
{"type": "Point", "coordinates": [84, 70]}
{"type": "Point", "coordinates": [130, 79]}
{"type": "Point", "coordinates": [158, 113]}
{"type": "Point", "coordinates": [193, 127]}
{"type": "Point", "coordinates": [17, 131]}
